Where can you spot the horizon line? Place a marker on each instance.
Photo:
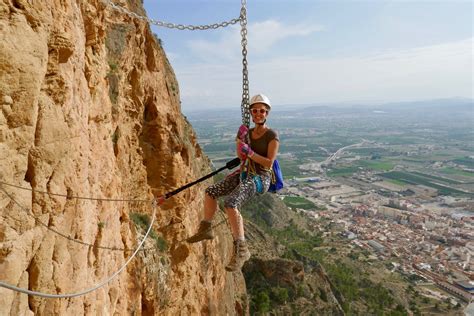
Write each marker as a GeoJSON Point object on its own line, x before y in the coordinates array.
{"type": "Point", "coordinates": [191, 108]}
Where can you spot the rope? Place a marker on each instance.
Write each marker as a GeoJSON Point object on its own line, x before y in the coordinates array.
{"type": "Point", "coordinates": [245, 120]}
{"type": "Point", "coordinates": [74, 196]}
{"type": "Point", "coordinates": [30, 213]}
{"type": "Point", "coordinates": [229, 165]}
{"type": "Point", "coordinates": [106, 281]}
{"type": "Point", "coordinates": [95, 287]}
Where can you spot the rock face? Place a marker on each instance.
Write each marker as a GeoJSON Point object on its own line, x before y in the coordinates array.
{"type": "Point", "coordinates": [89, 107]}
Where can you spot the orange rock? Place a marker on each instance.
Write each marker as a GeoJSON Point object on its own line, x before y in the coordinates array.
{"type": "Point", "coordinates": [90, 107]}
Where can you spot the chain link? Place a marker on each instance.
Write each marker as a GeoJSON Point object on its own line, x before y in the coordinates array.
{"type": "Point", "coordinates": [243, 32]}
{"type": "Point", "coordinates": [172, 25]}
{"type": "Point", "coordinates": [245, 74]}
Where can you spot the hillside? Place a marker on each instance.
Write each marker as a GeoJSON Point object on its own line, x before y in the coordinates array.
{"type": "Point", "coordinates": [279, 278]}
{"type": "Point", "coordinates": [302, 266]}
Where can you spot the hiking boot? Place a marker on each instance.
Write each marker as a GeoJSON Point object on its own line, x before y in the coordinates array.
{"type": "Point", "coordinates": [204, 232]}
{"type": "Point", "coordinates": [241, 254]}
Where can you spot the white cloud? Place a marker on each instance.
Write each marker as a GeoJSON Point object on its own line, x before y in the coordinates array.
{"type": "Point", "coordinates": [436, 71]}
{"type": "Point", "coordinates": [226, 47]}
{"type": "Point", "coordinates": [261, 37]}
{"type": "Point", "coordinates": [426, 72]}
{"type": "Point", "coordinates": [264, 35]}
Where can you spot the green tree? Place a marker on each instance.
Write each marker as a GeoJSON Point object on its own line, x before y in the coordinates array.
{"type": "Point", "coordinates": [280, 294]}
{"type": "Point", "coordinates": [262, 302]}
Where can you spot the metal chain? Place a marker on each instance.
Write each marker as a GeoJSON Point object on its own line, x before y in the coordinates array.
{"type": "Point", "coordinates": [245, 74]}
{"type": "Point", "coordinates": [243, 32]}
{"type": "Point", "coordinates": [172, 25]}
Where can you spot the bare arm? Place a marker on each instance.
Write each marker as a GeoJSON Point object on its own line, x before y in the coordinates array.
{"type": "Point", "coordinates": [267, 162]}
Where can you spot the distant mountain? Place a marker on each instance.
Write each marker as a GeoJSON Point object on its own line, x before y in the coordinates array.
{"type": "Point", "coordinates": [452, 102]}
{"type": "Point", "coordinates": [432, 110]}
{"type": "Point", "coordinates": [435, 107]}
{"type": "Point", "coordinates": [435, 103]}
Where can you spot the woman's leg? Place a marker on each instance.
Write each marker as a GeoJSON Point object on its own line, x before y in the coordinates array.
{"type": "Point", "coordinates": [241, 252]}
{"type": "Point", "coordinates": [210, 207]}
{"type": "Point", "coordinates": [244, 191]}
{"type": "Point", "coordinates": [236, 223]}
{"type": "Point", "coordinates": [223, 187]}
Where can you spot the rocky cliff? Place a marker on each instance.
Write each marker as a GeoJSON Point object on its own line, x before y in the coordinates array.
{"type": "Point", "coordinates": [90, 107]}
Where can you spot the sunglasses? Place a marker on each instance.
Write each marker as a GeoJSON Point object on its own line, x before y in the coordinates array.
{"type": "Point", "coordinates": [261, 111]}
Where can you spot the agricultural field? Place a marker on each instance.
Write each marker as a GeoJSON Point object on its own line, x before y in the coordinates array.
{"type": "Point", "coordinates": [430, 144]}
{"type": "Point", "coordinates": [457, 172]}
{"type": "Point", "coordinates": [298, 202]}
{"type": "Point", "coordinates": [422, 154]}
{"type": "Point", "coordinates": [426, 180]}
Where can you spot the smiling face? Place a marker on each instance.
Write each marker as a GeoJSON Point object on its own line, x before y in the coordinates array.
{"type": "Point", "coordinates": [259, 112]}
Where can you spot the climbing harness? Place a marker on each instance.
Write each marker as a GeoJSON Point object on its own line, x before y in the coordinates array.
{"type": "Point", "coordinates": [276, 182]}
{"type": "Point", "coordinates": [249, 171]}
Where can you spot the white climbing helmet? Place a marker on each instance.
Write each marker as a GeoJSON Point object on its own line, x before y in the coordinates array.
{"type": "Point", "coordinates": [260, 98]}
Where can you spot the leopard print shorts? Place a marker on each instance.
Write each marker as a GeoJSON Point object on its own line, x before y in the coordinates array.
{"type": "Point", "coordinates": [236, 191]}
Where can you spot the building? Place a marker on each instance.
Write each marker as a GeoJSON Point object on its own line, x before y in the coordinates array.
{"type": "Point", "coordinates": [467, 286]}
{"type": "Point", "coordinates": [377, 246]}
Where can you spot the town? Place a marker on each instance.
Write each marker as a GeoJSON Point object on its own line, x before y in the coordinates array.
{"type": "Point", "coordinates": [395, 182]}
{"type": "Point", "coordinates": [419, 233]}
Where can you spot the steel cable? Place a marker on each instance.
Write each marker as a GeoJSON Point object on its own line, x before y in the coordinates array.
{"type": "Point", "coordinates": [245, 120]}
{"type": "Point", "coordinates": [95, 287]}
{"type": "Point", "coordinates": [68, 196]}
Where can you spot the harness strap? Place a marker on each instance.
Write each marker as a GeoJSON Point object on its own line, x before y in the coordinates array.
{"type": "Point", "coordinates": [255, 177]}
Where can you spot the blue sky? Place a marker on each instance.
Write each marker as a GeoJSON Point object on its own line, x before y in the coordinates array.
{"type": "Point", "coordinates": [320, 52]}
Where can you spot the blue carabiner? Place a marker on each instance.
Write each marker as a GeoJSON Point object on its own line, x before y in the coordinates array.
{"type": "Point", "coordinates": [258, 184]}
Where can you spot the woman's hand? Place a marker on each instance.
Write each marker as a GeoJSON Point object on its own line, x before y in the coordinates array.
{"type": "Point", "coordinates": [245, 149]}
{"type": "Point", "coordinates": [272, 151]}
{"type": "Point", "coordinates": [239, 153]}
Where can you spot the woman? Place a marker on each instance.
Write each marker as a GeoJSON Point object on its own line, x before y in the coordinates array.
{"type": "Point", "coordinates": [260, 155]}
